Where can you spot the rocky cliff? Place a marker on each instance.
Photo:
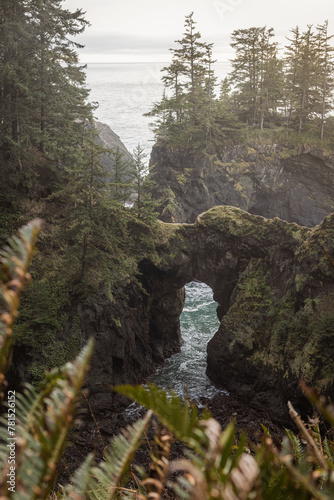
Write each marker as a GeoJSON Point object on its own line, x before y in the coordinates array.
{"type": "Point", "coordinates": [108, 139]}
{"type": "Point", "coordinates": [274, 285]}
{"type": "Point", "coordinates": [277, 180]}
{"type": "Point", "coordinates": [273, 282]}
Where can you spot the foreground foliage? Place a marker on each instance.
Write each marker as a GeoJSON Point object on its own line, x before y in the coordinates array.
{"type": "Point", "coordinates": [214, 466]}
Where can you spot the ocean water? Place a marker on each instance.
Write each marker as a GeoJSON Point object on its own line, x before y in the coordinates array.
{"type": "Point", "coordinates": [124, 93]}
{"type": "Point", "coordinates": [185, 371]}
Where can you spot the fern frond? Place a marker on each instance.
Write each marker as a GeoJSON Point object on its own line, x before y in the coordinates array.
{"type": "Point", "coordinates": [265, 430]}
{"type": "Point", "coordinates": [226, 442]}
{"type": "Point", "coordinates": [107, 479]}
{"type": "Point", "coordinates": [155, 481]}
{"type": "Point", "coordinates": [80, 481]}
{"type": "Point", "coordinates": [298, 449]}
{"type": "Point", "coordinates": [42, 433]}
{"type": "Point", "coordinates": [313, 446]}
{"type": "Point", "coordinates": [14, 259]}
{"type": "Point", "coordinates": [329, 450]}
{"type": "Point", "coordinates": [180, 417]}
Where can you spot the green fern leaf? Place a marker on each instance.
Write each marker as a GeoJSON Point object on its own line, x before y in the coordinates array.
{"type": "Point", "coordinates": [180, 417]}
{"type": "Point", "coordinates": [108, 477]}
{"type": "Point", "coordinates": [80, 482]}
{"type": "Point", "coordinates": [14, 262]}
{"type": "Point", "coordinates": [329, 451]}
{"type": "Point", "coordinates": [42, 432]}
{"type": "Point", "coordinates": [296, 446]}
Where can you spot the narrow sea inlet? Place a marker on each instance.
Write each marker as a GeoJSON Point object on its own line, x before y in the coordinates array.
{"type": "Point", "coordinates": [185, 371]}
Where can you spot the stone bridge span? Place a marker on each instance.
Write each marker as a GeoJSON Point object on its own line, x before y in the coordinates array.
{"type": "Point", "coordinates": [273, 282]}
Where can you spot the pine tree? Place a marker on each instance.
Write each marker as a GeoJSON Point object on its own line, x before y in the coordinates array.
{"type": "Point", "coordinates": [191, 52]}
{"type": "Point", "coordinates": [121, 183]}
{"type": "Point", "coordinates": [226, 120]}
{"type": "Point", "coordinates": [166, 126]}
{"type": "Point", "coordinates": [14, 43]}
{"type": "Point", "coordinates": [186, 114]}
{"type": "Point", "coordinates": [301, 76]}
{"type": "Point", "coordinates": [59, 80]}
{"type": "Point", "coordinates": [270, 80]}
{"type": "Point", "coordinates": [42, 89]}
{"type": "Point", "coordinates": [326, 77]}
{"type": "Point", "coordinates": [175, 104]}
{"type": "Point", "coordinates": [144, 205]}
{"type": "Point", "coordinates": [254, 74]}
{"type": "Point", "coordinates": [93, 231]}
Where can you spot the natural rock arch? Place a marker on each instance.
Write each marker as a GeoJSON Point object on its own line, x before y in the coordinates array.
{"type": "Point", "coordinates": [272, 281]}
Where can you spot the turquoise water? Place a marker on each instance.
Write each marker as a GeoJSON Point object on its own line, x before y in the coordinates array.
{"type": "Point", "coordinates": [124, 92]}
{"type": "Point", "coordinates": [185, 371]}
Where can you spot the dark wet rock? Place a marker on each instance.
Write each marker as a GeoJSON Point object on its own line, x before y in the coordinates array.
{"type": "Point", "coordinates": [274, 285]}
{"type": "Point", "coordinates": [108, 139]}
{"type": "Point", "coordinates": [273, 282]}
{"type": "Point", "coordinates": [273, 180]}
{"type": "Point", "coordinates": [131, 335]}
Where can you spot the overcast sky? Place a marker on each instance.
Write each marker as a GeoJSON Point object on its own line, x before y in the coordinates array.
{"type": "Point", "coordinates": [144, 30]}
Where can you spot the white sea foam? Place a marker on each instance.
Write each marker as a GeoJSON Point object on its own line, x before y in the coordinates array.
{"type": "Point", "coordinates": [185, 371]}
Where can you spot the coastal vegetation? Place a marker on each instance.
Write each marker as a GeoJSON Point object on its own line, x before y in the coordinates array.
{"type": "Point", "coordinates": [99, 223]}
{"type": "Point", "coordinates": [267, 90]}
{"type": "Point", "coordinates": [99, 232]}
{"type": "Point", "coordinates": [214, 465]}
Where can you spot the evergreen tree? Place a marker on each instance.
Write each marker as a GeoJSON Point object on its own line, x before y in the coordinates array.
{"type": "Point", "coordinates": [208, 102]}
{"type": "Point", "coordinates": [326, 78]}
{"type": "Point", "coordinates": [186, 115]}
{"type": "Point", "coordinates": [301, 75]}
{"type": "Point", "coordinates": [121, 183]}
{"type": "Point", "coordinates": [291, 75]}
{"type": "Point", "coordinates": [175, 104]}
{"type": "Point", "coordinates": [93, 230]}
{"type": "Point", "coordinates": [166, 125]}
{"type": "Point", "coordinates": [254, 75]}
{"type": "Point", "coordinates": [144, 205]}
{"type": "Point", "coordinates": [227, 121]}
{"type": "Point", "coordinates": [14, 78]}
{"type": "Point", "coordinates": [59, 90]}
{"type": "Point", "coordinates": [42, 89]}
{"type": "Point", "coordinates": [191, 53]}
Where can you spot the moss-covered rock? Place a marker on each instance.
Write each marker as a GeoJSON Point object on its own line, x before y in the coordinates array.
{"type": "Point", "coordinates": [274, 283]}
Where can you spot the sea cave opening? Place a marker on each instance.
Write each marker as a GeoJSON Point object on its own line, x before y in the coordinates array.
{"type": "Point", "coordinates": [185, 371]}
